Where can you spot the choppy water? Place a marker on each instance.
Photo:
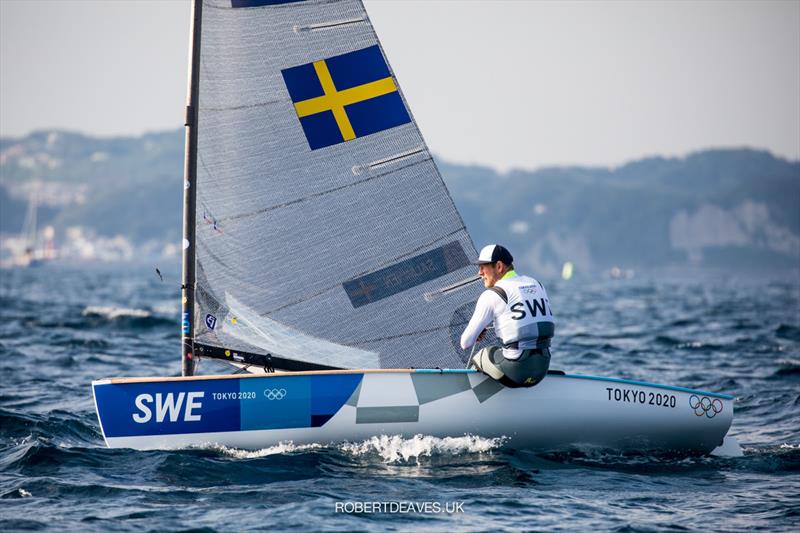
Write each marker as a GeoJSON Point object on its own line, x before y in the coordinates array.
{"type": "Point", "coordinates": [62, 327]}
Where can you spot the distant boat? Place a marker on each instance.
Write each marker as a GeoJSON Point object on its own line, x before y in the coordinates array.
{"type": "Point", "coordinates": [33, 247]}
{"type": "Point", "coordinates": [325, 260]}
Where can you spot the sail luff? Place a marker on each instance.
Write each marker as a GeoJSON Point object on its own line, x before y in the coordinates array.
{"type": "Point", "coordinates": [190, 197]}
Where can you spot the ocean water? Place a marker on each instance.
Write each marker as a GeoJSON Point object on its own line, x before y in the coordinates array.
{"type": "Point", "coordinates": [61, 327]}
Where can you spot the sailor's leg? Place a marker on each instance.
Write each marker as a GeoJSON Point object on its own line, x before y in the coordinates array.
{"type": "Point", "coordinates": [484, 361]}
{"type": "Point", "coordinates": [528, 370]}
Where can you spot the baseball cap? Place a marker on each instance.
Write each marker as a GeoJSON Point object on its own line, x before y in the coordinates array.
{"type": "Point", "coordinates": [491, 253]}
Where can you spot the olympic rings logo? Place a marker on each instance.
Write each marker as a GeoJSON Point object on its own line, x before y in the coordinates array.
{"type": "Point", "coordinates": [705, 406]}
{"type": "Point", "coordinates": [275, 394]}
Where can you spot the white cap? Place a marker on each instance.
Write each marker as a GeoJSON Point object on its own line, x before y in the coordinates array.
{"type": "Point", "coordinates": [492, 253]}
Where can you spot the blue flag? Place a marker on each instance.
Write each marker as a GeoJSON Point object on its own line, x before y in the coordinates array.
{"type": "Point", "coordinates": [345, 97]}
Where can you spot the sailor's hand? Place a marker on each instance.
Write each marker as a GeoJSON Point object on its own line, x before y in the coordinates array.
{"type": "Point", "coordinates": [481, 336]}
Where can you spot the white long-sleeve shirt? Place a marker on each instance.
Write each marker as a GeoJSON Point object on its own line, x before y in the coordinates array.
{"type": "Point", "coordinates": [489, 306]}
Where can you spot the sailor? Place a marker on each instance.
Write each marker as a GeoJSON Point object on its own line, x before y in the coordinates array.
{"type": "Point", "coordinates": [523, 322]}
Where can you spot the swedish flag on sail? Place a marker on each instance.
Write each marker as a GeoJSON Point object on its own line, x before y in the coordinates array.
{"type": "Point", "coordinates": [345, 97]}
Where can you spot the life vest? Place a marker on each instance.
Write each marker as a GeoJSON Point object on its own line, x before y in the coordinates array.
{"type": "Point", "coordinates": [527, 321]}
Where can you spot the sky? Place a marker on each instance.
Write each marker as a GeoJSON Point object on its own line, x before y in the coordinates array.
{"type": "Point", "coordinates": [505, 84]}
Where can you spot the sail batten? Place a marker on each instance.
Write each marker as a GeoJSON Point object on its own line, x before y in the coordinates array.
{"type": "Point", "coordinates": [322, 220]}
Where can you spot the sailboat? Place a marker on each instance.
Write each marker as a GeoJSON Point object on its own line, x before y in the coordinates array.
{"type": "Point", "coordinates": [325, 261]}
{"type": "Point", "coordinates": [34, 246]}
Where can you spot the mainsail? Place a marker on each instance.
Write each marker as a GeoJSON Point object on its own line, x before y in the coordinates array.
{"type": "Point", "coordinates": [322, 232]}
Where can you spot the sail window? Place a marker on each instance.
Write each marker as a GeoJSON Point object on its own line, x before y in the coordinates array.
{"type": "Point", "coordinates": [405, 274]}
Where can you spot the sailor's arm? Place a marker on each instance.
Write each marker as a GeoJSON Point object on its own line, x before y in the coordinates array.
{"type": "Point", "coordinates": [482, 317]}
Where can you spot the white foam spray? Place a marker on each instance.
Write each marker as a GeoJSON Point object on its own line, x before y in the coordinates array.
{"type": "Point", "coordinates": [115, 312]}
{"type": "Point", "coordinates": [394, 448]}
{"type": "Point", "coordinates": [390, 448]}
{"type": "Point", "coordinates": [280, 448]}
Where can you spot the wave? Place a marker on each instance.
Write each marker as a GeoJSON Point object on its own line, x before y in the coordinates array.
{"type": "Point", "coordinates": [788, 367]}
{"type": "Point", "coordinates": [667, 340]}
{"type": "Point", "coordinates": [394, 448]}
{"type": "Point", "coordinates": [16, 493]}
{"type": "Point", "coordinates": [762, 459]}
{"type": "Point", "coordinates": [389, 448]}
{"type": "Point", "coordinates": [123, 317]}
{"type": "Point", "coordinates": [112, 313]}
{"type": "Point", "coordinates": [68, 429]}
{"type": "Point", "coordinates": [786, 331]}
{"type": "Point", "coordinates": [282, 448]}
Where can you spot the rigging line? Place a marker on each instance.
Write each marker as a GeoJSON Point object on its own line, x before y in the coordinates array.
{"type": "Point", "coordinates": [212, 179]}
{"type": "Point", "coordinates": [378, 267]}
{"type": "Point", "coordinates": [229, 271]}
{"type": "Point", "coordinates": [321, 193]}
{"type": "Point", "coordinates": [207, 250]}
{"type": "Point", "coordinates": [398, 336]}
{"type": "Point", "coordinates": [247, 106]}
{"type": "Point", "coordinates": [209, 76]}
{"type": "Point", "coordinates": [200, 197]}
{"type": "Point", "coordinates": [236, 273]}
{"type": "Point", "coordinates": [205, 168]}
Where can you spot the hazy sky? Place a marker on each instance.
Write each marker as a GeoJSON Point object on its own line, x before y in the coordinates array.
{"type": "Point", "coordinates": [508, 84]}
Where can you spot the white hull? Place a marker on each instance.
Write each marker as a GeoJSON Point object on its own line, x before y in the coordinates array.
{"type": "Point", "coordinates": [322, 407]}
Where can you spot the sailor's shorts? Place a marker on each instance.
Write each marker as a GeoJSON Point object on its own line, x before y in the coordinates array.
{"type": "Point", "coordinates": [527, 371]}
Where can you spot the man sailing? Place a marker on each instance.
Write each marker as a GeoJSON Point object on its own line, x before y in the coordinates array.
{"type": "Point", "coordinates": [523, 322]}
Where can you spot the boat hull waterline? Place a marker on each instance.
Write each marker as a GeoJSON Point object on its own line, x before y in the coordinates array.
{"type": "Point", "coordinates": [251, 412]}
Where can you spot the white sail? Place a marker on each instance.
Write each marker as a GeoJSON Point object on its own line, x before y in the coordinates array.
{"type": "Point", "coordinates": [318, 205]}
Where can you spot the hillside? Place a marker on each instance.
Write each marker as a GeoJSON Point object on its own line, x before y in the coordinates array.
{"type": "Point", "coordinates": [732, 208]}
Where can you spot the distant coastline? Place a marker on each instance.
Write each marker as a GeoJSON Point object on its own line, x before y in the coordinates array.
{"type": "Point", "coordinates": [736, 209]}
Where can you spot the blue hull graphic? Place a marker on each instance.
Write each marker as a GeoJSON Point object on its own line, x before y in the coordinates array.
{"type": "Point", "coordinates": [221, 405]}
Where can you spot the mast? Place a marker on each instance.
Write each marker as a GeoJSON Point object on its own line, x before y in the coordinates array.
{"type": "Point", "coordinates": [29, 229]}
{"type": "Point", "coordinates": [190, 198]}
